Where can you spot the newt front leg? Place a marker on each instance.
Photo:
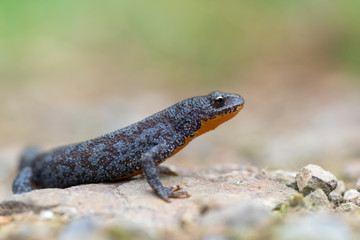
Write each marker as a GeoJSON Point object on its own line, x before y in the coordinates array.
{"type": "Point", "coordinates": [151, 174]}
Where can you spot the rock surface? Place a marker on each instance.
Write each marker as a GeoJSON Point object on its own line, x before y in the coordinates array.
{"type": "Point", "coordinates": [219, 193]}
{"type": "Point", "coordinates": [228, 202]}
{"type": "Point", "coordinates": [313, 177]}
{"type": "Point", "coordinates": [286, 177]}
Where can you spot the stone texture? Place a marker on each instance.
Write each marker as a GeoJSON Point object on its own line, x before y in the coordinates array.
{"type": "Point", "coordinates": [347, 207]}
{"type": "Point", "coordinates": [313, 177]}
{"type": "Point", "coordinates": [133, 201]}
{"type": "Point", "coordinates": [317, 200]}
{"type": "Point", "coordinates": [352, 195]}
{"type": "Point", "coordinates": [335, 197]}
{"type": "Point", "coordinates": [229, 202]}
{"type": "Point", "coordinates": [340, 188]}
{"type": "Point", "coordinates": [286, 177]}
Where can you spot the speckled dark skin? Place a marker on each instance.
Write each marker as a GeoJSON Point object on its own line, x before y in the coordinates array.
{"type": "Point", "coordinates": [129, 151]}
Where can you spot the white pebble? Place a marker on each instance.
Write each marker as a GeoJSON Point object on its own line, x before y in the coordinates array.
{"type": "Point", "coordinates": [351, 194]}
{"type": "Point", "coordinates": [47, 214]}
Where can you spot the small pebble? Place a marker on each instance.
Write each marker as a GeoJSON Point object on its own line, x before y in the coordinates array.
{"type": "Point", "coordinates": [313, 177]}
{"type": "Point", "coordinates": [317, 200]}
{"type": "Point", "coordinates": [351, 195]}
{"type": "Point", "coordinates": [335, 197]}
{"type": "Point", "coordinates": [47, 214]}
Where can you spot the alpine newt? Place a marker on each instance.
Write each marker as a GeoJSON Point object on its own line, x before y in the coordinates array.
{"type": "Point", "coordinates": [138, 148]}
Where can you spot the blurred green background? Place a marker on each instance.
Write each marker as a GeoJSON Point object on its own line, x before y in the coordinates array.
{"type": "Point", "coordinates": [171, 43]}
{"type": "Point", "coordinates": [72, 70]}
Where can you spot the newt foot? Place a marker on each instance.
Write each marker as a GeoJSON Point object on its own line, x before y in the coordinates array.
{"type": "Point", "coordinates": [172, 192]}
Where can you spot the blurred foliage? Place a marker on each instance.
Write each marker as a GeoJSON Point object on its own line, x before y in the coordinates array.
{"type": "Point", "coordinates": [202, 40]}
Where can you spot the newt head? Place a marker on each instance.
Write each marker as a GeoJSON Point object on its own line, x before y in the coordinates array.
{"type": "Point", "coordinates": [223, 104]}
{"type": "Point", "coordinates": [220, 108]}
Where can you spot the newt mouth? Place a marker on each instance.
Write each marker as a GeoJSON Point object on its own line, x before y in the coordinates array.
{"type": "Point", "coordinates": [235, 109]}
{"type": "Point", "coordinates": [215, 121]}
{"type": "Point", "coordinates": [238, 108]}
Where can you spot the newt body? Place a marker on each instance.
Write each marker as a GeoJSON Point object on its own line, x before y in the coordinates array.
{"type": "Point", "coordinates": [129, 151]}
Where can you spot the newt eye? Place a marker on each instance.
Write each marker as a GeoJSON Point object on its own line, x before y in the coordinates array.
{"type": "Point", "coordinates": [219, 101]}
